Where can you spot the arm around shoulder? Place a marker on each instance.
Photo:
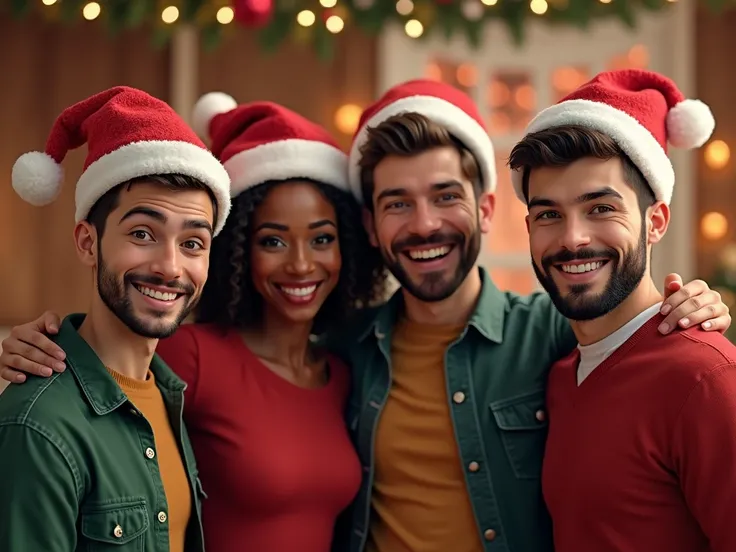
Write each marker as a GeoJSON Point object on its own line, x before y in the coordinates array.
{"type": "Point", "coordinates": [38, 482]}
{"type": "Point", "coordinates": [704, 454]}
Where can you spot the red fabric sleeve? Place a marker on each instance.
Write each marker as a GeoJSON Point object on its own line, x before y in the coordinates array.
{"type": "Point", "coordinates": [704, 448]}
{"type": "Point", "coordinates": [181, 353]}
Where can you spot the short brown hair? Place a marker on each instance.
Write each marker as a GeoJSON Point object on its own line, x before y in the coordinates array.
{"type": "Point", "coordinates": [560, 146]}
{"type": "Point", "coordinates": [102, 208]}
{"type": "Point", "coordinates": [406, 135]}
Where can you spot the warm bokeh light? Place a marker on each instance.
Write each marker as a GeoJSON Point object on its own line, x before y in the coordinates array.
{"type": "Point", "coordinates": [225, 15]}
{"type": "Point", "coordinates": [347, 118]}
{"type": "Point", "coordinates": [714, 225]}
{"type": "Point", "coordinates": [717, 154]}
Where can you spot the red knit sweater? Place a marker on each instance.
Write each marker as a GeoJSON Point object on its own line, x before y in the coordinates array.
{"type": "Point", "coordinates": [641, 457]}
{"type": "Point", "coordinates": [275, 459]}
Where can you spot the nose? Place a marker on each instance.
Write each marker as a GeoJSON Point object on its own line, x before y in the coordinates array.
{"type": "Point", "coordinates": [167, 263]}
{"type": "Point", "coordinates": [575, 234]}
{"type": "Point", "coordinates": [424, 220]}
{"type": "Point", "coordinates": [300, 261]}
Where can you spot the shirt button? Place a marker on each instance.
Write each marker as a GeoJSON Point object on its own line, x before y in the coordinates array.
{"type": "Point", "coordinates": [540, 415]}
{"type": "Point", "coordinates": [489, 534]}
{"type": "Point", "coordinates": [458, 397]}
{"type": "Point", "coordinates": [118, 531]}
{"type": "Point", "coordinates": [150, 453]}
{"type": "Point", "coordinates": [162, 517]}
{"type": "Point", "coordinates": [474, 466]}
{"type": "Point", "coordinates": [134, 412]}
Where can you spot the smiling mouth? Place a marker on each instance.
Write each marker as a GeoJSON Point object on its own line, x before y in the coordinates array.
{"type": "Point", "coordinates": [163, 296]}
{"type": "Point", "coordinates": [581, 268]}
{"type": "Point", "coordinates": [427, 255]}
{"type": "Point", "coordinates": [299, 294]}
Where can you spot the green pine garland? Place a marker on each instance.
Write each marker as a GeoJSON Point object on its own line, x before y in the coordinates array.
{"type": "Point", "coordinates": [447, 17]}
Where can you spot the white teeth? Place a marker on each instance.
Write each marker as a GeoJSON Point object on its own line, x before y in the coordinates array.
{"type": "Point", "coordinates": [299, 292]}
{"type": "Point", "coordinates": [156, 294]}
{"type": "Point", "coordinates": [430, 253]}
{"type": "Point", "coordinates": [580, 268]}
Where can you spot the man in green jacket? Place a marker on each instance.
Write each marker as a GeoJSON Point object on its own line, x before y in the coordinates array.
{"type": "Point", "coordinates": [448, 407]}
{"type": "Point", "coordinates": [97, 457]}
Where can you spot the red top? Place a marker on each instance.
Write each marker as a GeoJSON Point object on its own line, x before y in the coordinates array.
{"type": "Point", "coordinates": [275, 459]}
{"type": "Point", "coordinates": [641, 456]}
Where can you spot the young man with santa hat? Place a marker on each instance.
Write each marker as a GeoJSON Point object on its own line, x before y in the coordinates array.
{"type": "Point", "coordinates": [642, 441]}
{"type": "Point", "coordinates": [448, 407]}
{"type": "Point", "coordinates": [97, 457]}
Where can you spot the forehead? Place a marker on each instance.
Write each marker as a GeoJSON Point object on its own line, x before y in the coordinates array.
{"type": "Point", "coordinates": [174, 203]}
{"type": "Point", "coordinates": [295, 203]}
{"type": "Point", "coordinates": [418, 172]}
{"type": "Point", "coordinates": [565, 184]}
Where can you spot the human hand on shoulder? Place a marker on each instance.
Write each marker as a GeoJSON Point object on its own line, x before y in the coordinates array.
{"type": "Point", "coordinates": [28, 350]}
{"type": "Point", "coordinates": [691, 304]}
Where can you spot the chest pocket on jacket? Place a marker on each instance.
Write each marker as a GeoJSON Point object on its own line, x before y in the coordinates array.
{"type": "Point", "coordinates": [522, 421]}
{"type": "Point", "coordinates": [119, 526]}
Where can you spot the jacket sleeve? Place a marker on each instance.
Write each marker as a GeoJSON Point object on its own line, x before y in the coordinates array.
{"type": "Point", "coordinates": [704, 455]}
{"type": "Point", "coordinates": [39, 488]}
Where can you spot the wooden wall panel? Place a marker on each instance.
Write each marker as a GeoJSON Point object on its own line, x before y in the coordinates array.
{"type": "Point", "coordinates": [294, 76]}
{"type": "Point", "coordinates": [716, 42]}
{"type": "Point", "coordinates": [46, 68]}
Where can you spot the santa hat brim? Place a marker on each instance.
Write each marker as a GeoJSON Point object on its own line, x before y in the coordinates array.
{"type": "Point", "coordinates": [287, 159]}
{"type": "Point", "coordinates": [155, 157]}
{"type": "Point", "coordinates": [631, 136]}
{"type": "Point", "coordinates": [461, 125]}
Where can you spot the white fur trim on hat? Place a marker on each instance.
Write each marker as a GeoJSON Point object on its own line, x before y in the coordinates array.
{"type": "Point", "coordinates": [149, 158]}
{"type": "Point", "coordinates": [37, 178]}
{"type": "Point", "coordinates": [635, 140]}
{"type": "Point", "coordinates": [461, 125]}
{"type": "Point", "coordinates": [207, 107]}
{"type": "Point", "coordinates": [689, 124]}
{"type": "Point", "coordinates": [285, 159]}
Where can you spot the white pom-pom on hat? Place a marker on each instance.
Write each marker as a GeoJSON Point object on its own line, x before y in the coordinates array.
{"type": "Point", "coordinates": [37, 178]}
{"type": "Point", "coordinates": [689, 124]}
{"type": "Point", "coordinates": [207, 107]}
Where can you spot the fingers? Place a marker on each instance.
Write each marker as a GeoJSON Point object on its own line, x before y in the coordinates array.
{"type": "Point", "coordinates": [698, 309]}
{"type": "Point", "coordinates": [720, 324]}
{"type": "Point", "coordinates": [49, 323]}
{"type": "Point", "coordinates": [672, 283]}
{"type": "Point", "coordinates": [12, 376]}
{"type": "Point", "coordinates": [27, 341]}
{"type": "Point", "coordinates": [685, 293]}
{"type": "Point", "coordinates": [14, 364]}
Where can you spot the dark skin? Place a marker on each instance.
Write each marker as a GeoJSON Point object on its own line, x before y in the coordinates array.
{"type": "Point", "coordinates": [295, 247]}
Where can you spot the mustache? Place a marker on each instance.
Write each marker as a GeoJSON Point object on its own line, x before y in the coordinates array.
{"type": "Point", "coordinates": [186, 289]}
{"type": "Point", "coordinates": [567, 256]}
{"type": "Point", "coordinates": [435, 239]}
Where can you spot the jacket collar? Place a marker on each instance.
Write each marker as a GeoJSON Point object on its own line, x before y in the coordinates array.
{"type": "Point", "coordinates": [488, 316]}
{"type": "Point", "coordinates": [100, 389]}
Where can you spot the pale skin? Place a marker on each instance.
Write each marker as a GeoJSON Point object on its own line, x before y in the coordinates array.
{"type": "Point", "coordinates": [418, 194]}
{"type": "Point", "coordinates": [588, 204]}
{"type": "Point", "coordinates": [153, 231]}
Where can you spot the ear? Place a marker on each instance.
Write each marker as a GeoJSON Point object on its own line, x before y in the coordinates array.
{"type": "Point", "coordinates": [85, 241]}
{"type": "Point", "coordinates": [370, 226]}
{"type": "Point", "coordinates": [657, 221]}
{"type": "Point", "coordinates": [486, 206]}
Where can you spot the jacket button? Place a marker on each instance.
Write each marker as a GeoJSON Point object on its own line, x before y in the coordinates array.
{"type": "Point", "coordinates": [458, 397]}
{"type": "Point", "coordinates": [540, 415]}
{"type": "Point", "coordinates": [162, 517]}
{"type": "Point", "coordinates": [489, 534]}
{"type": "Point", "coordinates": [118, 531]}
{"type": "Point", "coordinates": [474, 466]}
{"type": "Point", "coordinates": [150, 453]}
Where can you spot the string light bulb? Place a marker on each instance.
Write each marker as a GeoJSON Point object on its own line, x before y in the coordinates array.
{"type": "Point", "coordinates": [225, 15]}
{"type": "Point", "coordinates": [335, 24]}
{"type": "Point", "coordinates": [414, 28]}
{"type": "Point", "coordinates": [539, 7]}
{"type": "Point", "coordinates": [91, 11]}
{"type": "Point", "coordinates": [170, 14]}
{"type": "Point", "coordinates": [328, 3]}
{"type": "Point", "coordinates": [404, 7]}
{"type": "Point", "coordinates": [48, 2]}
{"type": "Point", "coordinates": [306, 18]}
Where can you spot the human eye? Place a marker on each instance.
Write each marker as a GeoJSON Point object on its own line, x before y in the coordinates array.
{"type": "Point", "coordinates": [601, 209]}
{"type": "Point", "coordinates": [142, 235]}
{"type": "Point", "coordinates": [271, 242]}
{"type": "Point", "coordinates": [324, 239]}
{"type": "Point", "coordinates": [547, 215]}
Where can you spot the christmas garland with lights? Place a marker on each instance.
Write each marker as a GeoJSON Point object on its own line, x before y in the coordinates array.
{"type": "Point", "coordinates": [316, 22]}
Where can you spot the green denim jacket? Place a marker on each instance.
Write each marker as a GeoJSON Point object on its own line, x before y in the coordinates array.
{"type": "Point", "coordinates": [75, 474]}
{"type": "Point", "coordinates": [496, 375]}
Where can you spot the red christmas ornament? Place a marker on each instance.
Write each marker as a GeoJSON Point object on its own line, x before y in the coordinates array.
{"type": "Point", "coordinates": [253, 13]}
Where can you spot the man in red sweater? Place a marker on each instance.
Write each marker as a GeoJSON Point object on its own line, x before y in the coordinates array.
{"type": "Point", "coordinates": [641, 453]}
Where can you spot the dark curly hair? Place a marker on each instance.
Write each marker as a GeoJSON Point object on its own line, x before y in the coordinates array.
{"type": "Point", "coordinates": [230, 298]}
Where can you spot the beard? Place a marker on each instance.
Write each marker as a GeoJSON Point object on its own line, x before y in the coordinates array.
{"type": "Point", "coordinates": [439, 285]}
{"type": "Point", "coordinates": [115, 295]}
{"type": "Point", "coordinates": [580, 303]}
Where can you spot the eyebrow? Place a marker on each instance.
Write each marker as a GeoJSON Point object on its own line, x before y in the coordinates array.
{"type": "Point", "coordinates": [160, 217]}
{"type": "Point", "coordinates": [284, 228]}
{"type": "Point", "coordinates": [538, 201]}
{"type": "Point", "coordinates": [440, 186]}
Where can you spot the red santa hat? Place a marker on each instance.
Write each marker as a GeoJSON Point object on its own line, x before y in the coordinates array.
{"type": "Point", "coordinates": [129, 134]}
{"type": "Point", "coordinates": [442, 104]}
{"type": "Point", "coordinates": [264, 141]}
{"type": "Point", "coordinates": [641, 111]}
